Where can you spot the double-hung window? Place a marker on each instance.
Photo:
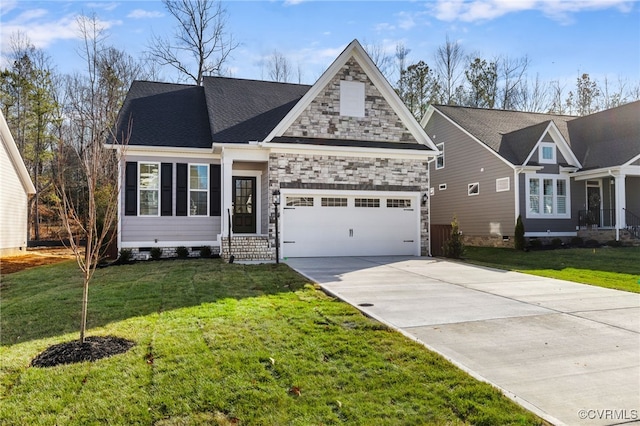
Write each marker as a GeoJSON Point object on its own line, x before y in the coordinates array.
{"type": "Point", "coordinates": [547, 196]}
{"type": "Point", "coordinates": [440, 157]}
{"type": "Point", "coordinates": [198, 189]}
{"type": "Point", "coordinates": [149, 189]}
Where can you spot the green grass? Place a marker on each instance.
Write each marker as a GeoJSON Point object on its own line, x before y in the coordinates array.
{"type": "Point", "coordinates": [610, 267]}
{"type": "Point", "coordinates": [218, 344]}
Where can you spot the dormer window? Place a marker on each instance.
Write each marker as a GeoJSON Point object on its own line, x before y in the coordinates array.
{"type": "Point", "coordinates": [547, 153]}
{"type": "Point", "coordinates": [351, 98]}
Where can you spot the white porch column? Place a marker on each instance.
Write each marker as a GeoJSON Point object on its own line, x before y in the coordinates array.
{"type": "Point", "coordinates": [227, 192]}
{"type": "Point", "coordinates": [621, 203]}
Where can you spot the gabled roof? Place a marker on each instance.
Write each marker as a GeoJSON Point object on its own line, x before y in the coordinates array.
{"type": "Point", "coordinates": [164, 114]}
{"type": "Point", "coordinates": [247, 110]}
{"type": "Point", "coordinates": [356, 51]}
{"type": "Point", "coordinates": [14, 156]}
{"type": "Point", "coordinates": [608, 138]}
{"type": "Point", "coordinates": [512, 134]}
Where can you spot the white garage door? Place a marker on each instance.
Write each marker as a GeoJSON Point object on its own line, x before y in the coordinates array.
{"type": "Point", "coordinates": [358, 224]}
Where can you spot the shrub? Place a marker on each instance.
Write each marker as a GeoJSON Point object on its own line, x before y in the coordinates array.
{"type": "Point", "coordinates": [125, 256]}
{"type": "Point", "coordinates": [454, 248]}
{"type": "Point", "coordinates": [535, 243]}
{"type": "Point", "coordinates": [156, 253]}
{"type": "Point", "coordinates": [592, 243]}
{"type": "Point", "coordinates": [519, 241]}
{"type": "Point", "coordinates": [182, 252]}
{"type": "Point", "coordinates": [205, 251]}
{"type": "Point", "coordinates": [577, 241]}
{"type": "Point", "coordinates": [614, 243]}
{"type": "Point", "coordinates": [556, 242]}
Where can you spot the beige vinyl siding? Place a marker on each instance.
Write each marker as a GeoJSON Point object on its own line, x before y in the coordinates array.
{"type": "Point", "coordinates": [13, 206]}
{"type": "Point", "coordinates": [165, 229]}
{"type": "Point", "coordinates": [489, 213]}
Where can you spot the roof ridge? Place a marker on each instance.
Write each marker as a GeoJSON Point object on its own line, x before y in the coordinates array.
{"type": "Point", "coordinates": [221, 77]}
{"type": "Point", "coordinates": [507, 110]}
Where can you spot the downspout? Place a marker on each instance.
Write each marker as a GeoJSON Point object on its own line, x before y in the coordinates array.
{"type": "Point", "coordinates": [428, 204]}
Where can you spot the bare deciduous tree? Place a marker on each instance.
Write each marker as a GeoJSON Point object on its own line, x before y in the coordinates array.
{"type": "Point", "coordinates": [278, 67]}
{"type": "Point", "coordinates": [87, 175]}
{"type": "Point", "coordinates": [380, 58]}
{"type": "Point", "coordinates": [511, 73]}
{"type": "Point", "coordinates": [449, 59]}
{"type": "Point", "coordinates": [202, 44]}
{"type": "Point", "coordinates": [535, 96]}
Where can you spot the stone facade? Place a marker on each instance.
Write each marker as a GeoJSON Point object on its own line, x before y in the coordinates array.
{"type": "Point", "coordinates": [487, 241]}
{"type": "Point", "coordinates": [248, 248]}
{"type": "Point", "coordinates": [322, 117]}
{"type": "Point", "coordinates": [168, 252]}
{"type": "Point", "coordinates": [349, 173]}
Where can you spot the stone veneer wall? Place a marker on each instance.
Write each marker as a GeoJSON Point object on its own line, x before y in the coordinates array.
{"type": "Point", "coordinates": [349, 173]}
{"type": "Point", "coordinates": [322, 117]}
{"type": "Point", "coordinates": [486, 241]}
{"type": "Point", "coordinates": [248, 248]}
{"type": "Point", "coordinates": [167, 252]}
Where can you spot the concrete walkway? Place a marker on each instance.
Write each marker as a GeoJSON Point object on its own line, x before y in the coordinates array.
{"type": "Point", "coordinates": [568, 352]}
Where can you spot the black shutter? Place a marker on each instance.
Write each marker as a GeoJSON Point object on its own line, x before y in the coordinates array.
{"type": "Point", "coordinates": [181, 189]}
{"type": "Point", "coordinates": [166, 189]}
{"type": "Point", "coordinates": [131, 189]}
{"type": "Point", "coordinates": [215, 186]}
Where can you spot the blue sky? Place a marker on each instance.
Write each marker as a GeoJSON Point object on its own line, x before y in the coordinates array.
{"type": "Point", "coordinates": [561, 38]}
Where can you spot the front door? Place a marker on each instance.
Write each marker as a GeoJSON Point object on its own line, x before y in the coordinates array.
{"type": "Point", "coordinates": [244, 212]}
{"type": "Point", "coordinates": [594, 202]}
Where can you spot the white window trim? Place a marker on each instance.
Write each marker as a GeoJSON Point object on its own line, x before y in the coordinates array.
{"type": "Point", "coordinates": [442, 187]}
{"type": "Point", "coordinates": [555, 178]}
{"type": "Point", "coordinates": [554, 149]}
{"type": "Point", "coordinates": [198, 190]}
{"type": "Point", "coordinates": [504, 179]}
{"type": "Point", "coordinates": [440, 147]}
{"type": "Point", "coordinates": [140, 163]}
{"type": "Point", "coordinates": [471, 185]}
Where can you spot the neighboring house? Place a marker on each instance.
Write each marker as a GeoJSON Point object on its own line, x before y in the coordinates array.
{"type": "Point", "coordinates": [345, 154]}
{"type": "Point", "coordinates": [15, 188]}
{"type": "Point", "coordinates": [566, 176]}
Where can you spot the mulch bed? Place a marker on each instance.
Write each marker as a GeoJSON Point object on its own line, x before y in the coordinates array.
{"type": "Point", "coordinates": [33, 258]}
{"type": "Point", "coordinates": [93, 349]}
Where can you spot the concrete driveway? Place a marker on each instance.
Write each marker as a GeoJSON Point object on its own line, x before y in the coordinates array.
{"type": "Point", "coordinates": [568, 352]}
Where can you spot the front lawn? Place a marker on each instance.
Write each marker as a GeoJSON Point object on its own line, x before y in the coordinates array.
{"type": "Point", "coordinates": [611, 267]}
{"type": "Point", "coordinates": [222, 344]}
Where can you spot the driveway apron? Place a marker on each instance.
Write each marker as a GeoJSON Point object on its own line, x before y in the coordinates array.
{"type": "Point", "coordinates": [568, 352]}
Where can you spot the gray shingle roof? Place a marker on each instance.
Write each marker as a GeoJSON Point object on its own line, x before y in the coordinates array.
{"type": "Point", "coordinates": [164, 114]}
{"type": "Point", "coordinates": [508, 133]}
{"type": "Point", "coordinates": [607, 138]}
{"type": "Point", "coordinates": [247, 110]}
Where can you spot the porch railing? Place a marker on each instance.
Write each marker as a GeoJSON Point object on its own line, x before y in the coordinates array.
{"type": "Point", "coordinates": [632, 222]}
{"type": "Point", "coordinates": [603, 218]}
